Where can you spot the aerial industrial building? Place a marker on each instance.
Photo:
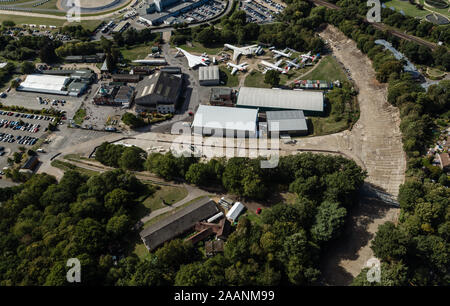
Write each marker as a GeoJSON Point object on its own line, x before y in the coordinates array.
{"type": "Point", "coordinates": [178, 223]}
{"type": "Point", "coordinates": [159, 92]}
{"type": "Point", "coordinates": [49, 84]}
{"type": "Point", "coordinates": [115, 95]}
{"type": "Point", "coordinates": [292, 122]}
{"type": "Point", "coordinates": [208, 76]}
{"type": "Point", "coordinates": [310, 102]}
{"type": "Point", "coordinates": [236, 122]}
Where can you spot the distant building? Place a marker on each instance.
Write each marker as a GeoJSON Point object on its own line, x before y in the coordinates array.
{"type": "Point", "coordinates": [209, 75]}
{"type": "Point", "coordinates": [221, 96]}
{"type": "Point", "coordinates": [159, 92]}
{"type": "Point", "coordinates": [178, 223]}
{"type": "Point", "coordinates": [311, 102]}
{"type": "Point", "coordinates": [292, 122]}
{"type": "Point", "coordinates": [142, 70]}
{"type": "Point", "coordinates": [122, 26]}
{"type": "Point", "coordinates": [126, 78]}
{"type": "Point", "coordinates": [235, 211]}
{"type": "Point", "coordinates": [225, 121]}
{"type": "Point", "coordinates": [444, 161]}
{"type": "Point", "coordinates": [214, 247]}
{"type": "Point", "coordinates": [48, 84]}
{"type": "Point", "coordinates": [31, 164]}
{"type": "Point", "coordinates": [95, 58]}
{"type": "Point", "coordinates": [115, 95]}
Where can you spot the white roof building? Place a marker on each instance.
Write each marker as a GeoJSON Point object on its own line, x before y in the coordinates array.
{"type": "Point", "coordinates": [208, 75]}
{"type": "Point", "coordinates": [280, 99]}
{"type": "Point", "coordinates": [235, 211]}
{"type": "Point", "coordinates": [222, 121]}
{"type": "Point", "coordinates": [52, 84]}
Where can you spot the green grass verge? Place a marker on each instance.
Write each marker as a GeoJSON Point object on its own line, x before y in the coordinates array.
{"type": "Point", "coordinates": [136, 52]}
{"type": "Point", "coordinates": [169, 194]}
{"type": "Point", "coordinates": [79, 116]}
{"type": "Point", "coordinates": [65, 166]}
{"type": "Point", "coordinates": [328, 70]}
{"type": "Point", "coordinates": [255, 79]}
{"type": "Point", "coordinates": [408, 8]}
{"type": "Point", "coordinates": [225, 76]}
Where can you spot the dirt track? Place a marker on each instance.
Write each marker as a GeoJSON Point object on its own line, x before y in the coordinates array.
{"type": "Point", "coordinates": [376, 142]}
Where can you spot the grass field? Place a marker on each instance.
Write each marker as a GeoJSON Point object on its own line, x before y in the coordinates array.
{"type": "Point", "coordinates": [408, 8]}
{"type": "Point", "coordinates": [328, 70]}
{"type": "Point", "coordinates": [136, 52]}
{"type": "Point", "coordinates": [169, 194]}
{"type": "Point", "coordinates": [78, 118]}
{"type": "Point", "coordinates": [225, 75]}
{"type": "Point", "coordinates": [255, 79]}
{"type": "Point", "coordinates": [444, 12]}
{"type": "Point", "coordinates": [65, 166]}
{"type": "Point", "coordinates": [19, 20]}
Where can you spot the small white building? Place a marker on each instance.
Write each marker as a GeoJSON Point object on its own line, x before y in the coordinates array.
{"type": "Point", "coordinates": [235, 211]}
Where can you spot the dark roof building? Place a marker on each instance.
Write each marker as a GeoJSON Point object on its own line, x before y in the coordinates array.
{"type": "Point", "coordinates": [213, 247]}
{"type": "Point", "coordinates": [178, 223]}
{"type": "Point", "coordinates": [31, 163]}
{"type": "Point", "coordinates": [159, 91]}
{"type": "Point", "coordinates": [221, 96]}
{"type": "Point", "coordinates": [126, 78]}
{"type": "Point", "coordinates": [291, 122]}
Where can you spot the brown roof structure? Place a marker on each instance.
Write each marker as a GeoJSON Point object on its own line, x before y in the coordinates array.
{"type": "Point", "coordinates": [444, 159]}
{"type": "Point", "coordinates": [213, 247]}
{"type": "Point", "coordinates": [178, 223]}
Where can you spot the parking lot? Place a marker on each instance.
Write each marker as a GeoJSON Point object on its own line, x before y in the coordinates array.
{"type": "Point", "coordinates": [206, 11]}
{"type": "Point", "coordinates": [29, 100]}
{"type": "Point", "coordinates": [19, 130]}
{"type": "Point", "coordinates": [262, 11]}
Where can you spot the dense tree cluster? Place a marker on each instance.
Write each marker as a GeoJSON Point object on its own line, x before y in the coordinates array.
{"type": "Point", "coordinates": [129, 158]}
{"type": "Point", "coordinates": [132, 120]}
{"type": "Point", "coordinates": [294, 29]}
{"type": "Point", "coordinates": [246, 178]}
{"type": "Point", "coordinates": [76, 32]}
{"type": "Point", "coordinates": [43, 223]}
{"type": "Point", "coordinates": [28, 48]}
{"type": "Point", "coordinates": [132, 37]}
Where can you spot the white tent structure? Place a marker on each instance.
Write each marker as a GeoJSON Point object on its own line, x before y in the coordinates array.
{"type": "Point", "coordinates": [44, 83]}
{"type": "Point", "coordinates": [235, 211]}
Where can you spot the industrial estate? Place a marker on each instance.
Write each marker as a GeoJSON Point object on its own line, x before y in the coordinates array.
{"type": "Point", "coordinates": [224, 143]}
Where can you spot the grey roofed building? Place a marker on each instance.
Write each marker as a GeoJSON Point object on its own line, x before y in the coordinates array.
{"type": "Point", "coordinates": [178, 223]}
{"type": "Point", "coordinates": [291, 122]}
{"type": "Point", "coordinates": [209, 75]}
{"type": "Point", "coordinates": [160, 88]}
{"type": "Point", "coordinates": [281, 99]}
{"type": "Point", "coordinates": [238, 122]}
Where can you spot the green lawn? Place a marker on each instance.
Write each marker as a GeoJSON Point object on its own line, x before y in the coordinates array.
{"type": "Point", "coordinates": [328, 70]}
{"type": "Point", "coordinates": [408, 8]}
{"type": "Point", "coordinates": [19, 20]}
{"type": "Point", "coordinates": [79, 116]}
{"type": "Point", "coordinates": [444, 12]}
{"type": "Point", "coordinates": [136, 52]}
{"type": "Point", "coordinates": [169, 194]}
{"type": "Point", "coordinates": [324, 126]}
{"type": "Point", "coordinates": [255, 79]}
{"type": "Point", "coordinates": [65, 166]}
{"type": "Point", "coordinates": [225, 76]}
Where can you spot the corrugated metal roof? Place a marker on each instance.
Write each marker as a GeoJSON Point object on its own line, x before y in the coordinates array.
{"type": "Point", "coordinates": [293, 120]}
{"type": "Point", "coordinates": [38, 82]}
{"type": "Point", "coordinates": [230, 118]}
{"type": "Point", "coordinates": [280, 98]}
{"type": "Point", "coordinates": [208, 73]}
{"type": "Point", "coordinates": [235, 211]}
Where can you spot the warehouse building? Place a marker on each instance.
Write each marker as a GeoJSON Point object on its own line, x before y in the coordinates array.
{"type": "Point", "coordinates": [126, 78]}
{"type": "Point", "coordinates": [221, 96]}
{"type": "Point", "coordinates": [226, 121]}
{"type": "Point", "coordinates": [178, 223]}
{"type": "Point", "coordinates": [310, 102]}
{"type": "Point", "coordinates": [158, 92]}
{"type": "Point", "coordinates": [208, 76]}
{"type": "Point", "coordinates": [49, 84]}
{"type": "Point", "coordinates": [292, 122]}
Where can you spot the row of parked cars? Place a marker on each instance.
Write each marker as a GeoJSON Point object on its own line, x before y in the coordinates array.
{"type": "Point", "coordinates": [22, 126]}
{"type": "Point", "coordinates": [26, 116]}
{"type": "Point", "coordinates": [23, 140]}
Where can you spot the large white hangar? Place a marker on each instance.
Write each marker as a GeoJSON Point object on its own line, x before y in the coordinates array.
{"type": "Point", "coordinates": [44, 83]}
{"type": "Point", "coordinates": [310, 102]}
{"type": "Point", "coordinates": [238, 122]}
